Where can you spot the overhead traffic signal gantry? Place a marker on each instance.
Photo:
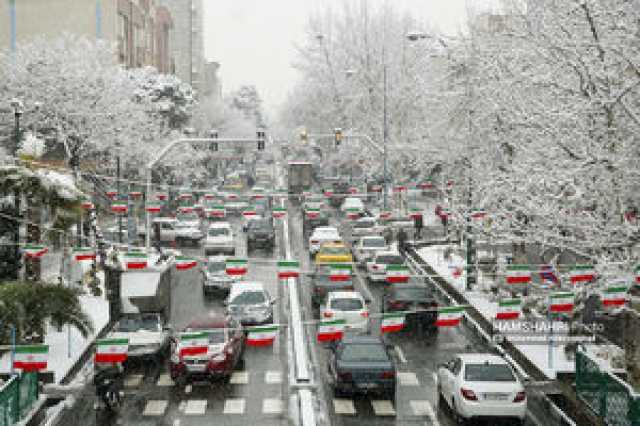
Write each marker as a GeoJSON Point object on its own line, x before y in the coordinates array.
{"type": "Point", "coordinates": [261, 138]}
{"type": "Point", "coordinates": [338, 135]}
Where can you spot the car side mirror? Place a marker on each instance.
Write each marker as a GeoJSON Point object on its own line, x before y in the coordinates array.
{"type": "Point", "coordinates": [167, 327]}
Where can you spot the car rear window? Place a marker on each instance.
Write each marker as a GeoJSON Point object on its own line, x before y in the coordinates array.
{"type": "Point", "coordinates": [390, 260]}
{"type": "Point", "coordinates": [216, 232]}
{"type": "Point", "coordinates": [488, 373]}
{"type": "Point", "coordinates": [411, 293]}
{"type": "Point", "coordinates": [346, 304]}
{"type": "Point", "coordinates": [334, 250]}
{"type": "Point", "coordinates": [373, 243]}
{"type": "Point", "coordinates": [249, 298]}
{"type": "Point", "coordinates": [364, 224]}
{"type": "Point", "coordinates": [364, 353]}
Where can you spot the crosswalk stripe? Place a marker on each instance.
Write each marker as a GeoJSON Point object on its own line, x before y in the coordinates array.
{"type": "Point", "coordinates": [234, 406]}
{"type": "Point", "coordinates": [271, 406]}
{"type": "Point", "coordinates": [344, 406]}
{"type": "Point", "coordinates": [195, 407]}
{"type": "Point", "coordinates": [408, 378]}
{"type": "Point", "coordinates": [239, 378]}
{"type": "Point", "coordinates": [383, 408]}
{"type": "Point", "coordinates": [155, 407]}
{"type": "Point", "coordinates": [164, 380]}
{"type": "Point", "coordinates": [133, 381]}
{"type": "Point", "coordinates": [273, 377]}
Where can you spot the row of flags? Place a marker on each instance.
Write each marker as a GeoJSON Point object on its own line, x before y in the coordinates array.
{"type": "Point", "coordinates": [522, 274]}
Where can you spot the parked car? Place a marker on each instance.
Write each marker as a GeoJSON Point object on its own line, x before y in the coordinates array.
{"type": "Point", "coordinates": [219, 239]}
{"type": "Point", "coordinates": [417, 297]}
{"type": "Point", "coordinates": [216, 281]}
{"type": "Point", "coordinates": [332, 252]}
{"type": "Point", "coordinates": [226, 343]}
{"type": "Point", "coordinates": [322, 284]}
{"type": "Point", "coordinates": [349, 306]}
{"type": "Point", "coordinates": [481, 386]}
{"type": "Point", "coordinates": [261, 233]}
{"type": "Point", "coordinates": [250, 303]}
{"type": "Point", "coordinates": [323, 235]}
{"type": "Point", "coordinates": [362, 364]}
{"type": "Point", "coordinates": [377, 266]}
{"type": "Point", "coordinates": [367, 247]}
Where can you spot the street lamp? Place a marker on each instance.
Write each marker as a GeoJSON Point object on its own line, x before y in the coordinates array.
{"type": "Point", "coordinates": [18, 109]}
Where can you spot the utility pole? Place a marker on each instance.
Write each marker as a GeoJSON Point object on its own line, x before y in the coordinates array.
{"type": "Point", "coordinates": [470, 249]}
{"type": "Point", "coordinates": [118, 196]}
{"type": "Point", "coordinates": [384, 136]}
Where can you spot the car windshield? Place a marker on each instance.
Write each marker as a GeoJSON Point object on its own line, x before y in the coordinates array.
{"type": "Point", "coordinates": [213, 267]}
{"type": "Point", "coordinates": [488, 373]}
{"type": "Point", "coordinates": [390, 259]}
{"type": "Point", "coordinates": [346, 304]}
{"type": "Point", "coordinates": [187, 216]}
{"type": "Point", "coordinates": [364, 353]}
{"type": "Point", "coordinates": [364, 224]}
{"type": "Point", "coordinates": [259, 225]}
{"type": "Point", "coordinates": [249, 298]}
{"type": "Point", "coordinates": [334, 250]}
{"type": "Point", "coordinates": [411, 293]}
{"type": "Point", "coordinates": [218, 232]}
{"type": "Point", "coordinates": [216, 335]}
{"type": "Point", "coordinates": [138, 323]}
{"type": "Point", "coordinates": [373, 243]}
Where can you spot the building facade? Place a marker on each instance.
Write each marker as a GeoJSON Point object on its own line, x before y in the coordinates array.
{"type": "Point", "coordinates": [141, 29]}
{"type": "Point", "coordinates": [212, 87]}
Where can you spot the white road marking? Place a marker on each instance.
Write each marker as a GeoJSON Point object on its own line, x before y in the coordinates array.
{"type": "Point", "coordinates": [164, 380]}
{"type": "Point", "coordinates": [408, 378]}
{"type": "Point", "coordinates": [344, 406]}
{"type": "Point", "coordinates": [383, 408]}
{"type": "Point", "coordinates": [273, 377]}
{"type": "Point", "coordinates": [176, 422]}
{"type": "Point", "coordinates": [234, 406]}
{"type": "Point", "coordinates": [182, 405]}
{"type": "Point", "coordinates": [271, 406]}
{"type": "Point", "coordinates": [239, 378]}
{"type": "Point", "coordinates": [400, 354]}
{"type": "Point", "coordinates": [133, 381]}
{"type": "Point", "coordinates": [195, 407]}
{"type": "Point", "coordinates": [188, 389]}
{"type": "Point", "coordinates": [155, 407]}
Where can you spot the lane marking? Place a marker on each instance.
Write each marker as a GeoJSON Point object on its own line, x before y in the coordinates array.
{"type": "Point", "coordinates": [239, 378]}
{"type": "Point", "coordinates": [155, 407]}
{"type": "Point", "coordinates": [234, 406]}
{"type": "Point", "coordinates": [188, 389]}
{"type": "Point", "coordinates": [164, 380]}
{"type": "Point", "coordinates": [133, 381]}
{"type": "Point", "coordinates": [195, 407]}
{"type": "Point", "coordinates": [176, 422]}
{"type": "Point", "coordinates": [383, 408]}
{"type": "Point", "coordinates": [400, 354]}
{"type": "Point", "coordinates": [182, 405]}
{"type": "Point", "coordinates": [271, 406]}
{"type": "Point", "coordinates": [344, 406]}
{"type": "Point", "coordinates": [408, 378]}
{"type": "Point", "coordinates": [273, 377]}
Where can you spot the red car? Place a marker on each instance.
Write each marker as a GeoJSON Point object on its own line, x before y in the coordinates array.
{"type": "Point", "coordinates": [213, 349]}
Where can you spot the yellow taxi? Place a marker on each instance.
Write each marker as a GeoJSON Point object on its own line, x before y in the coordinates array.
{"type": "Point", "coordinates": [332, 252]}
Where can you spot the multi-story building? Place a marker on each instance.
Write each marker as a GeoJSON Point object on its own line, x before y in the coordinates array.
{"type": "Point", "coordinates": [140, 28]}
{"type": "Point", "coordinates": [212, 86]}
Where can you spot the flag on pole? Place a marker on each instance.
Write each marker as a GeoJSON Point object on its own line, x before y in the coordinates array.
{"type": "Point", "coordinates": [339, 272]}
{"type": "Point", "coordinates": [87, 205]}
{"type": "Point", "coordinates": [185, 196]}
{"type": "Point", "coordinates": [263, 335]}
{"type": "Point", "coordinates": [218, 210]}
{"type": "Point", "coordinates": [111, 350]}
{"type": "Point", "coordinates": [31, 357]}
{"type": "Point", "coordinates": [562, 302]}
{"type": "Point", "coordinates": [518, 274]}
{"type": "Point", "coordinates": [194, 344]}
{"type": "Point", "coordinates": [119, 207]}
{"type": "Point", "coordinates": [183, 263]}
{"type": "Point", "coordinates": [135, 260]}
{"type": "Point", "coordinates": [328, 192]}
{"type": "Point", "coordinates": [185, 209]}
{"type": "Point", "coordinates": [615, 295]}
{"type": "Point", "coordinates": [638, 274]}
{"type": "Point", "coordinates": [111, 193]}
{"type": "Point", "coordinates": [397, 274]}
{"type": "Point", "coordinates": [426, 185]}
{"type": "Point", "coordinates": [32, 251]}
{"type": "Point", "coordinates": [162, 196]}
{"type": "Point", "coordinates": [249, 212]}
{"type": "Point", "coordinates": [582, 273]}
{"type": "Point", "coordinates": [353, 213]}
{"type": "Point", "coordinates": [449, 316]}
{"type": "Point", "coordinates": [279, 212]}
{"type": "Point", "coordinates": [392, 322]}
{"type": "Point", "coordinates": [384, 215]}
{"type": "Point", "coordinates": [236, 267]}
{"type": "Point", "coordinates": [288, 269]}
{"type": "Point", "coordinates": [330, 330]}
{"type": "Point", "coordinates": [312, 213]}
{"type": "Point", "coordinates": [415, 213]}
{"type": "Point", "coordinates": [84, 253]}
{"type": "Point", "coordinates": [153, 207]}
{"type": "Point", "coordinates": [209, 197]}
{"type": "Point", "coordinates": [509, 309]}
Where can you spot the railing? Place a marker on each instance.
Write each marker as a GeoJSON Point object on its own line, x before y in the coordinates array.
{"type": "Point", "coordinates": [17, 396]}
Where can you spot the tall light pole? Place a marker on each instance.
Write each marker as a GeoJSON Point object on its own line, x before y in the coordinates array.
{"type": "Point", "coordinates": [385, 134]}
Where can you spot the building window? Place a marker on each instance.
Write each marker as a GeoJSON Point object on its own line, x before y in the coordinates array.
{"type": "Point", "coordinates": [123, 38]}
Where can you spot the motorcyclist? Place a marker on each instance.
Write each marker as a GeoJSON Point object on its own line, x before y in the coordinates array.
{"type": "Point", "coordinates": [108, 378]}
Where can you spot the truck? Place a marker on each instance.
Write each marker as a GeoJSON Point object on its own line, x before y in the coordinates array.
{"type": "Point", "coordinates": [299, 177]}
{"type": "Point", "coordinates": [145, 308]}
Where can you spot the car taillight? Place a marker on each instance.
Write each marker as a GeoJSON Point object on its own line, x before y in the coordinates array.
{"type": "Point", "coordinates": [344, 376]}
{"type": "Point", "coordinates": [327, 314]}
{"type": "Point", "coordinates": [314, 241]}
{"type": "Point", "coordinates": [364, 314]}
{"type": "Point", "coordinates": [520, 396]}
{"type": "Point", "coordinates": [468, 394]}
{"type": "Point", "coordinates": [375, 267]}
{"type": "Point", "coordinates": [434, 304]}
{"type": "Point", "coordinates": [387, 374]}
{"type": "Point", "coordinates": [397, 305]}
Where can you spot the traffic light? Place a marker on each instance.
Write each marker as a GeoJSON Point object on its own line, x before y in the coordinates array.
{"type": "Point", "coordinates": [214, 147]}
{"type": "Point", "coordinates": [338, 133]}
{"type": "Point", "coordinates": [261, 137]}
{"type": "Point", "coordinates": [303, 136]}
{"type": "Point", "coordinates": [213, 134]}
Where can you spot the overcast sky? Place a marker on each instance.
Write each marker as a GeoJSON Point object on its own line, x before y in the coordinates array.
{"type": "Point", "coordinates": [253, 39]}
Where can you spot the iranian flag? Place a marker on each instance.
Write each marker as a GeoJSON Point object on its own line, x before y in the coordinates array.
{"type": "Point", "coordinates": [279, 212]}
{"type": "Point", "coordinates": [392, 322]}
{"type": "Point", "coordinates": [376, 188]}
{"type": "Point", "coordinates": [509, 309]}
{"type": "Point", "coordinates": [615, 295]}
{"type": "Point", "coordinates": [415, 213]}
{"type": "Point", "coordinates": [384, 215]}
{"type": "Point", "coordinates": [185, 209]}
{"type": "Point", "coordinates": [582, 273]}
{"type": "Point", "coordinates": [236, 267]}
{"type": "Point", "coordinates": [135, 260]}
{"type": "Point", "coordinates": [31, 357]}
{"type": "Point", "coordinates": [209, 197]}
{"type": "Point", "coordinates": [288, 269]}
{"type": "Point", "coordinates": [257, 196]}
{"type": "Point", "coordinates": [87, 205]}
{"type": "Point", "coordinates": [478, 214]}
{"type": "Point", "coordinates": [562, 302]}
{"type": "Point", "coordinates": [249, 212]}
{"type": "Point", "coordinates": [399, 188]}
{"type": "Point", "coordinates": [353, 190]}
{"type": "Point", "coordinates": [111, 350]}
{"type": "Point", "coordinates": [231, 196]}
{"type": "Point", "coordinates": [194, 344]}
{"type": "Point", "coordinates": [638, 274]}
{"type": "Point", "coordinates": [518, 274]}
{"type": "Point", "coordinates": [119, 207]}
{"type": "Point", "coordinates": [185, 196]}
{"type": "Point", "coordinates": [153, 207]}
{"type": "Point", "coordinates": [328, 192]}
{"type": "Point", "coordinates": [183, 263]}
{"type": "Point", "coordinates": [449, 316]}
{"type": "Point", "coordinates": [425, 185]}
{"type": "Point", "coordinates": [330, 330]}
{"type": "Point", "coordinates": [312, 213]}
{"type": "Point", "coordinates": [135, 194]}
{"type": "Point", "coordinates": [262, 335]}
{"type": "Point", "coordinates": [84, 253]}
{"type": "Point", "coordinates": [162, 196]}
{"type": "Point", "coordinates": [33, 251]}
{"type": "Point", "coordinates": [218, 211]}
{"type": "Point", "coordinates": [111, 193]}
{"type": "Point", "coordinates": [340, 272]}
{"type": "Point", "coordinates": [353, 213]}
{"type": "Point", "coordinates": [397, 274]}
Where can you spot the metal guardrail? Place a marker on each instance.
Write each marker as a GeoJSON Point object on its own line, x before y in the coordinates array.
{"type": "Point", "coordinates": [17, 396]}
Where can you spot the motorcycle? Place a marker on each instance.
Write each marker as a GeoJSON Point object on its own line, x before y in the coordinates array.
{"type": "Point", "coordinates": [109, 395]}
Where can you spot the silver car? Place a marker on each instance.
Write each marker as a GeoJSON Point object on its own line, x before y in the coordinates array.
{"type": "Point", "coordinates": [216, 280]}
{"type": "Point", "coordinates": [250, 303]}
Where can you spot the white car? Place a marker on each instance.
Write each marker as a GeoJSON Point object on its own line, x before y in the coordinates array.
{"type": "Point", "coordinates": [363, 227]}
{"type": "Point", "coordinates": [349, 306]}
{"type": "Point", "coordinates": [219, 239]}
{"type": "Point", "coordinates": [481, 385]}
{"type": "Point", "coordinates": [321, 235]}
{"type": "Point", "coordinates": [352, 203]}
{"type": "Point", "coordinates": [367, 247]}
{"type": "Point", "coordinates": [191, 219]}
{"type": "Point", "coordinates": [377, 266]}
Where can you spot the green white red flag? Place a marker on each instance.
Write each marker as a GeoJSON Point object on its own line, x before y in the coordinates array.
{"type": "Point", "coordinates": [562, 302]}
{"type": "Point", "coordinates": [582, 273]}
{"type": "Point", "coordinates": [340, 272]}
{"type": "Point", "coordinates": [162, 196]}
{"type": "Point", "coordinates": [263, 335]}
{"type": "Point", "coordinates": [111, 193]}
{"type": "Point", "coordinates": [392, 322]}
{"type": "Point", "coordinates": [288, 269]}
{"type": "Point", "coordinates": [330, 330]}
{"type": "Point", "coordinates": [33, 251]}
{"type": "Point", "coordinates": [193, 344]}
{"type": "Point", "coordinates": [279, 212]}
{"type": "Point", "coordinates": [186, 209]}
{"type": "Point", "coordinates": [509, 309]}
{"type": "Point", "coordinates": [31, 357]}
{"type": "Point", "coordinates": [328, 192]}
{"type": "Point", "coordinates": [84, 253]}
{"type": "Point", "coordinates": [249, 212]}
{"type": "Point", "coordinates": [518, 274]}
{"type": "Point", "coordinates": [111, 350]}
{"type": "Point", "coordinates": [209, 197]}
{"type": "Point", "coordinates": [135, 260]}
{"type": "Point", "coordinates": [87, 205]}
{"type": "Point", "coordinates": [312, 213]}
{"type": "Point", "coordinates": [615, 295]}
{"type": "Point", "coordinates": [415, 213]}
{"type": "Point", "coordinates": [425, 185]}
{"type": "Point", "coordinates": [218, 211]}
{"type": "Point", "coordinates": [384, 215]}
{"type": "Point", "coordinates": [135, 194]}
{"type": "Point", "coordinates": [397, 274]}
{"type": "Point", "coordinates": [184, 263]}
{"type": "Point", "coordinates": [119, 206]}
{"type": "Point", "coordinates": [353, 213]}
{"type": "Point", "coordinates": [449, 316]}
{"type": "Point", "coordinates": [153, 207]}
{"type": "Point", "coordinates": [236, 267]}
{"type": "Point", "coordinates": [185, 196]}
{"type": "Point", "coordinates": [638, 274]}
